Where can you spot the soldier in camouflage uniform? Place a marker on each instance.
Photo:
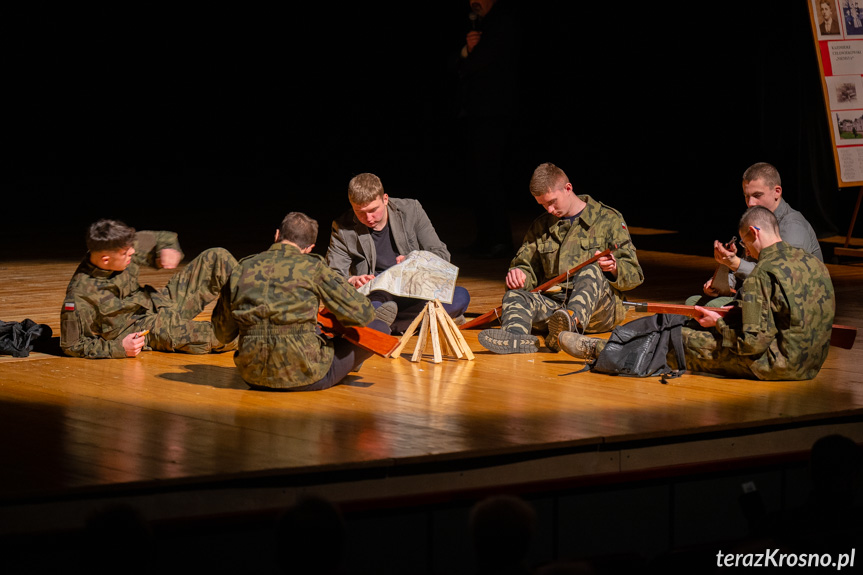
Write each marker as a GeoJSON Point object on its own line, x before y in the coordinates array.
{"type": "Point", "coordinates": [272, 303]}
{"type": "Point", "coordinates": [786, 314]}
{"type": "Point", "coordinates": [574, 229]}
{"type": "Point", "coordinates": [105, 310]}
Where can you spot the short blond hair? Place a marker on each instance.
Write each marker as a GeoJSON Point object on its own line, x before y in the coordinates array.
{"type": "Point", "coordinates": [546, 177]}
{"type": "Point", "coordinates": [364, 189]}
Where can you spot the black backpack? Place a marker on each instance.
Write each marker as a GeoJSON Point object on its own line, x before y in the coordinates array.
{"type": "Point", "coordinates": [639, 348]}
{"type": "Point", "coordinates": [18, 339]}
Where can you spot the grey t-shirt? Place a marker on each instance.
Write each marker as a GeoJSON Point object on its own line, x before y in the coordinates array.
{"type": "Point", "coordinates": [385, 249]}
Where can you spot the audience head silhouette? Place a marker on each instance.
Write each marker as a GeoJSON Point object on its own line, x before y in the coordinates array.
{"type": "Point", "coordinates": [117, 539]}
{"type": "Point", "coordinates": [502, 528]}
{"type": "Point", "coordinates": [311, 537]}
{"type": "Point", "coordinates": [835, 463]}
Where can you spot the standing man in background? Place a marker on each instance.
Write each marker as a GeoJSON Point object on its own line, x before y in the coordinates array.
{"type": "Point", "coordinates": [487, 68]}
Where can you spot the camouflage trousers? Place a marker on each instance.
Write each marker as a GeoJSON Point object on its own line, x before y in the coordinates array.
{"type": "Point", "coordinates": [705, 354]}
{"type": "Point", "coordinates": [183, 298]}
{"type": "Point", "coordinates": [589, 298]}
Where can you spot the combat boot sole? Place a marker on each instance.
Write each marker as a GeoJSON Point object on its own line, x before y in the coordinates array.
{"type": "Point", "coordinates": [387, 312]}
{"type": "Point", "coordinates": [502, 342]}
{"type": "Point", "coordinates": [560, 321]}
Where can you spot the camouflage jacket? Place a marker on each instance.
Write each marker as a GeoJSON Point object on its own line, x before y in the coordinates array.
{"type": "Point", "coordinates": [272, 303]}
{"type": "Point", "coordinates": [787, 308]}
{"type": "Point", "coordinates": [102, 307]}
{"type": "Point", "coordinates": [551, 247]}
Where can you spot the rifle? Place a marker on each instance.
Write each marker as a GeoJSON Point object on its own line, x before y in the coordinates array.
{"type": "Point", "coordinates": [842, 336]}
{"type": "Point", "coordinates": [495, 313]}
{"type": "Point", "coordinates": [367, 338]}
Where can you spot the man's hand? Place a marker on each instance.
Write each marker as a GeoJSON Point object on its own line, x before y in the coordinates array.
{"type": "Point", "coordinates": [607, 263]}
{"type": "Point", "coordinates": [134, 343]}
{"type": "Point", "coordinates": [168, 259]}
{"type": "Point", "coordinates": [472, 39]}
{"type": "Point", "coordinates": [709, 289]}
{"type": "Point", "coordinates": [708, 317]}
{"type": "Point", "coordinates": [399, 259]}
{"type": "Point", "coordinates": [726, 257]}
{"type": "Point", "coordinates": [515, 278]}
{"type": "Point", "coordinates": [360, 281]}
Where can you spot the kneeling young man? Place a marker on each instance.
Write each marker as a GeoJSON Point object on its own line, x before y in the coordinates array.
{"type": "Point", "coordinates": [573, 229]}
{"type": "Point", "coordinates": [107, 314]}
{"type": "Point", "coordinates": [271, 302]}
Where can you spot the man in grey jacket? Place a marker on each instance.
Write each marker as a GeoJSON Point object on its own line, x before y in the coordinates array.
{"type": "Point", "coordinates": [376, 234]}
{"type": "Point", "coordinates": [762, 186]}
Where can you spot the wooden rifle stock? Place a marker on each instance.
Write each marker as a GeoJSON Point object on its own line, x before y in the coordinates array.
{"type": "Point", "coordinates": [367, 338]}
{"type": "Point", "coordinates": [674, 308]}
{"type": "Point", "coordinates": [495, 313]}
{"type": "Point", "coordinates": [842, 336]}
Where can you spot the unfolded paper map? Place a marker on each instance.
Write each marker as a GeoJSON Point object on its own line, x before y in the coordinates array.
{"type": "Point", "coordinates": [421, 275]}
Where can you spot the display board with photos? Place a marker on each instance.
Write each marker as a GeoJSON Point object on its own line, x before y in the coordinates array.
{"type": "Point", "coordinates": [837, 28]}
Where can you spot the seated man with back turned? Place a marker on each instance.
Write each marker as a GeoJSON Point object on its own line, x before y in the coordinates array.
{"type": "Point", "coordinates": [761, 187]}
{"type": "Point", "coordinates": [786, 313]}
{"type": "Point", "coordinates": [272, 301]}
{"type": "Point", "coordinates": [376, 234]}
{"type": "Point", "coordinates": [106, 311]}
{"type": "Point", "coordinates": [573, 229]}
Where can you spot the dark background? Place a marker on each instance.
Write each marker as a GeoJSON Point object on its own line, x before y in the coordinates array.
{"type": "Point", "coordinates": [216, 120]}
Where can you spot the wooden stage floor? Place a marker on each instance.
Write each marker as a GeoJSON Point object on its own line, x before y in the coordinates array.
{"type": "Point", "coordinates": [182, 435]}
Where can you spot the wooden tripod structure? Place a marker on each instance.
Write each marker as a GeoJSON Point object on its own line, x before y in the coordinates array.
{"type": "Point", "coordinates": [436, 325]}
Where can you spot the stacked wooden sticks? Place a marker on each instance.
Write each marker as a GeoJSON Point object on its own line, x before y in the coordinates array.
{"type": "Point", "coordinates": [436, 325]}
